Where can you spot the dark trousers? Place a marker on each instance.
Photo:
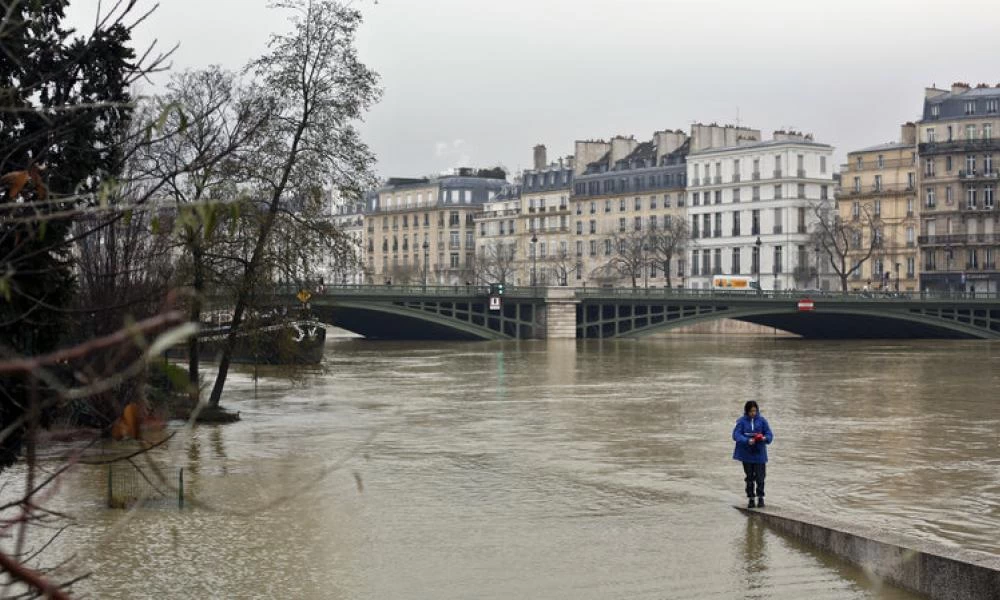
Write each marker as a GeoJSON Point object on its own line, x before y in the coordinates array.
{"type": "Point", "coordinates": [755, 474]}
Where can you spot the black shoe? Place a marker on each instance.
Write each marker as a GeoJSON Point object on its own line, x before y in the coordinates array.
{"type": "Point", "coordinates": [751, 504]}
{"type": "Point", "coordinates": [760, 502]}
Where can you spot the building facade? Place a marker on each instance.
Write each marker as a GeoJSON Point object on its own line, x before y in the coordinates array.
{"type": "Point", "coordinates": [624, 189]}
{"type": "Point", "coordinates": [879, 192]}
{"type": "Point", "coordinates": [752, 210]}
{"type": "Point", "coordinates": [423, 230]}
{"type": "Point", "coordinates": [349, 218]}
{"type": "Point", "coordinates": [958, 180]}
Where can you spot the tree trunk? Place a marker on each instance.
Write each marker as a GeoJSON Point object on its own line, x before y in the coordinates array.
{"type": "Point", "coordinates": [194, 345]}
{"type": "Point", "coordinates": [666, 272]}
{"type": "Point", "coordinates": [243, 295]}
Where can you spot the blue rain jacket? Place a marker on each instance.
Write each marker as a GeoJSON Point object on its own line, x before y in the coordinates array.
{"type": "Point", "coordinates": [745, 429]}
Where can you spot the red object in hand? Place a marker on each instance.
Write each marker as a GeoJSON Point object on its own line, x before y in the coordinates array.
{"type": "Point", "coordinates": [759, 437]}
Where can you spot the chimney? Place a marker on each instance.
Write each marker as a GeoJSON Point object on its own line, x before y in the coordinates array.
{"type": "Point", "coordinates": [588, 152]}
{"type": "Point", "coordinates": [621, 147]}
{"type": "Point", "coordinates": [908, 134]}
{"type": "Point", "coordinates": [540, 159]}
{"type": "Point", "coordinates": [959, 88]}
{"type": "Point", "coordinates": [667, 141]}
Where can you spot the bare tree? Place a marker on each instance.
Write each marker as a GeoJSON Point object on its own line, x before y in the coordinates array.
{"type": "Point", "coordinates": [630, 255]}
{"type": "Point", "coordinates": [844, 243]}
{"type": "Point", "coordinates": [562, 265]}
{"type": "Point", "coordinates": [318, 87]}
{"type": "Point", "coordinates": [497, 261]}
{"type": "Point", "coordinates": [667, 243]}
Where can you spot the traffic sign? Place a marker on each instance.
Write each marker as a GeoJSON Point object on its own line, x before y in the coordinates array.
{"type": "Point", "coordinates": [303, 296]}
{"type": "Point", "coordinates": [494, 302]}
{"type": "Point", "coordinates": [806, 304]}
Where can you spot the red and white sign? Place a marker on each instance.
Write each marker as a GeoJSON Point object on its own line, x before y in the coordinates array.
{"type": "Point", "coordinates": [806, 304]}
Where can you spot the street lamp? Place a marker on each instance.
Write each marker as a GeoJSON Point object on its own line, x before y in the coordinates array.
{"type": "Point", "coordinates": [534, 254]}
{"type": "Point", "coordinates": [897, 278]}
{"type": "Point", "coordinates": [757, 244]}
{"type": "Point", "coordinates": [425, 247]}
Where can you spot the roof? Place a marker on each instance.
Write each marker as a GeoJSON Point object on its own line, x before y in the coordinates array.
{"type": "Point", "coordinates": [886, 146]}
{"type": "Point", "coordinates": [759, 145]}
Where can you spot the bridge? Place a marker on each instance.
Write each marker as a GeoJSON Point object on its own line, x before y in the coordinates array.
{"type": "Point", "coordinates": [464, 312]}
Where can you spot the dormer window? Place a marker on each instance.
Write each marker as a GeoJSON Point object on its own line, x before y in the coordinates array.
{"type": "Point", "coordinates": [935, 110]}
{"type": "Point", "coordinates": [970, 107]}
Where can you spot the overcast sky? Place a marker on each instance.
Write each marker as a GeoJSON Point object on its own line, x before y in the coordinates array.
{"type": "Point", "coordinates": [480, 82]}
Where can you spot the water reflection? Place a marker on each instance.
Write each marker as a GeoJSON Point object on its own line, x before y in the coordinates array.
{"type": "Point", "coordinates": [755, 559]}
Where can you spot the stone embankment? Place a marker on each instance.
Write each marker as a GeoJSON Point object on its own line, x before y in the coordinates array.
{"type": "Point", "coordinates": [937, 571]}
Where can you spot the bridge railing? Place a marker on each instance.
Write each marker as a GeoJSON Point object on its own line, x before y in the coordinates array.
{"type": "Point", "coordinates": [466, 291]}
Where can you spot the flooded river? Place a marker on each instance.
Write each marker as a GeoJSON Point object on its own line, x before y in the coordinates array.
{"type": "Point", "coordinates": [555, 470]}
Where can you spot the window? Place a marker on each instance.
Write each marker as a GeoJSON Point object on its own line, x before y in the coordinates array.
{"type": "Point", "coordinates": [453, 241]}
{"type": "Point", "coordinates": [822, 164]}
{"type": "Point", "coordinates": [736, 223]}
{"type": "Point", "coordinates": [717, 261]}
{"type": "Point", "coordinates": [929, 167]}
{"type": "Point", "coordinates": [947, 164]}
{"type": "Point", "coordinates": [802, 190]}
{"type": "Point", "coordinates": [777, 192]}
{"type": "Point", "coordinates": [777, 260]}
{"type": "Point", "coordinates": [857, 185]}
{"type": "Point", "coordinates": [607, 206]}
{"type": "Point", "coordinates": [593, 226]}
{"type": "Point", "coordinates": [987, 131]}
{"type": "Point", "coordinates": [593, 247]}
{"type": "Point", "coordinates": [909, 207]}
{"type": "Point", "coordinates": [579, 227]}
{"type": "Point", "coordinates": [706, 225]}
{"type": "Point", "coordinates": [652, 203]}
{"type": "Point", "coordinates": [755, 193]}
{"type": "Point", "coordinates": [991, 105]}
{"type": "Point", "coordinates": [756, 168]}
{"type": "Point", "coordinates": [755, 259]}
{"type": "Point", "coordinates": [778, 220]}
{"type": "Point", "coordinates": [593, 207]}
{"type": "Point", "coordinates": [909, 236]}
{"type": "Point", "coordinates": [911, 266]}
{"type": "Point", "coordinates": [453, 219]}
{"type": "Point", "coordinates": [970, 107]}
{"type": "Point", "coordinates": [666, 201]}
{"type": "Point", "coordinates": [802, 219]}
{"type": "Point", "coordinates": [579, 248]}
{"type": "Point", "coordinates": [621, 224]}
{"type": "Point", "coordinates": [930, 135]}
{"type": "Point", "coordinates": [652, 222]}
{"type": "Point", "coordinates": [877, 206]}
{"type": "Point", "coordinates": [736, 194]}
{"type": "Point", "coordinates": [970, 132]}
{"type": "Point", "coordinates": [824, 193]}
{"type": "Point", "coordinates": [621, 205]}
{"type": "Point", "coordinates": [948, 195]}
{"type": "Point", "coordinates": [970, 164]}
{"type": "Point", "coordinates": [607, 247]}
{"type": "Point", "coordinates": [910, 181]}
{"type": "Point", "coordinates": [970, 198]}
{"type": "Point", "coordinates": [706, 267]}
{"type": "Point", "coordinates": [936, 110]}
{"type": "Point", "coordinates": [755, 222]}
{"type": "Point", "coordinates": [718, 225]}
{"type": "Point", "coordinates": [988, 197]}
{"type": "Point", "coordinates": [695, 199]}
{"type": "Point", "coordinates": [949, 132]}
{"type": "Point", "coordinates": [930, 202]}
{"type": "Point", "coordinates": [454, 260]}
{"type": "Point", "coordinates": [735, 267]}
{"type": "Point", "coordinates": [694, 226]}
{"type": "Point", "coordinates": [878, 183]}
{"type": "Point", "coordinates": [855, 211]}
{"type": "Point", "coordinates": [638, 223]}
{"type": "Point", "coordinates": [718, 196]}
{"type": "Point", "coordinates": [542, 250]}
{"type": "Point", "coordinates": [988, 164]}
{"type": "Point", "coordinates": [859, 165]}
{"type": "Point", "coordinates": [638, 204]}
{"type": "Point", "coordinates": [694, 262]}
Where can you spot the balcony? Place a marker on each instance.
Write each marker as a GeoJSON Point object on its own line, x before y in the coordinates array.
{"type": "Point", "coordinates": [958, 146]}
{"type": "Point", "coordinates": [978, 175]}
{"type": "Point", "coordinates": [958, 239]}
{"type": "Point", "coordinates": [801, 173]}
{"type": "Point", "coordinates": [717, 180]}
{"type": "Point", "coordinates": [755, 176]}
{"type": "Point", "coordinates": [736, 177]}
{"type": "Point", "coordinates": [777, 174]}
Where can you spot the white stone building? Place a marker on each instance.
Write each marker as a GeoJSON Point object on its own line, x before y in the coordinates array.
{"type": "Point", "coordinates": [751, 208]}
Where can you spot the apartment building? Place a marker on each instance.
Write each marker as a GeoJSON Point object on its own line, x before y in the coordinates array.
{"type": "Point", "coordinates": [348, 216]}
{"type": "Point", "coordinates": [423, 230]}
{"type": "Point", "coordinates": [625, 188]}
{"type": "Point", "coordinates": [500, 253]}
{"type": "Point", "coordinates": [752, 209]}
{"type": "Point", "coordinates": [879, 193]}
{"type": "Point", "coordinates": [958, 179]}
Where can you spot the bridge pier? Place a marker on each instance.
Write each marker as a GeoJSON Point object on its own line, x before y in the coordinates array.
{"type": "Point", "coordinates": [557, 321]}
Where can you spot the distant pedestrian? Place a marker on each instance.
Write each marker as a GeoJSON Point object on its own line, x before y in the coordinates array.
{"type": "Point", "coordinates": [752, 434]}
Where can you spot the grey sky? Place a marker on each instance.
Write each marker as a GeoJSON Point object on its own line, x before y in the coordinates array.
{"type": "Point", "coordinates": [478, 82]}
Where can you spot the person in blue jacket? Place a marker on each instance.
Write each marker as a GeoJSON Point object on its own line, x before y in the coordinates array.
{"type": "Point", "coordinates": [752, 434]}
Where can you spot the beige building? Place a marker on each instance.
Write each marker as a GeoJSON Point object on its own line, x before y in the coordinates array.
{"type": "Point", "coordinates": [878, 186]}
{"type": "Point", "coordinates": [958, 179]}
{"type": "Point", "coordinates": [423, 230]}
